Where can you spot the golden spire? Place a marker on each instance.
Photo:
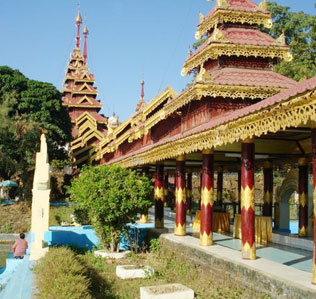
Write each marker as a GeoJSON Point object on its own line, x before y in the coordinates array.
{"type": "Point", "coordinates": [78, 18]}
{"type": "Point", "coordinates": [85, 29]}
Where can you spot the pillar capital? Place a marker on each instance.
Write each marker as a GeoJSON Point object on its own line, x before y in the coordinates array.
{"type": "Point", "coordinates": [302, 161]}
{"type": "Point", "coordinates": [207, 151]}
{"type": "Point", "coordinates": [180, 158]}
{"type": "Point", "coordinates": [248, 140]}
{"type": "Point", "coordinates": [267, 164]}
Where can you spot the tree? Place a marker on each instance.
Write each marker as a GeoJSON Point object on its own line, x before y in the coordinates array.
{"type": "Point", "coordinates": [300, 32]}
{"type": "Point", "coordinates": [28, 108]}
{"type": "Point", "coordinates": [112, 196]}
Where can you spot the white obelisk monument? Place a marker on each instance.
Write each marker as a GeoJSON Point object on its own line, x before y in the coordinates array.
{"type": "Point", "coordinates": [40, 202]}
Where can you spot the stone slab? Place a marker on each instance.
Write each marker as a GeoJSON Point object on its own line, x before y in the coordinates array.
{"type": "Point", "coordinates": [132, 271]}
{"type": "Point", "coordinates": [111, 255]}
{"type": "Point", "coordinates": [166, 291]}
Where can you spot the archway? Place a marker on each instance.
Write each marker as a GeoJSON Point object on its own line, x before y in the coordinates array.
{"type": "Point", "coordinates": [284, 194]}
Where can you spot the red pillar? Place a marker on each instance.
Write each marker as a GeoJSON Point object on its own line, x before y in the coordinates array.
{"type": "Point", "coordinates": [239, 192]}
{"type": "Point", "coordinates": [268, 188]}
{"type": "Point", "coordinates": [303, 196]}
{"type": "Point", "coordinates": [180, 229]}
{"type": "Point", "coordinates": [207, 200]}
{"type": "Point", "coordinates": [314, 199]}
{"type": "Point", "coordinates": [248, 200]}
{"type": "Point", "coordinates": [159, 197]}
{"type": "Point", "coordinates": [165, 187]}
{"type": "Point", "coordinates": [189, 193]}
{"type": "Point", "coordinates": [219, 198]}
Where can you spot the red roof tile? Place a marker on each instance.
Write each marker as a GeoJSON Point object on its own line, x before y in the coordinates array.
{"type": "Point", "coordinates": [250, 77]}
{"type": "Point", "coordinates": [98, 117]}
{"type": "Point", "coordinates": [241, 36]}
{"type": "Point", "coordinates": [68, 100]}
{"type": "Point", "coordinates": [234, 115]}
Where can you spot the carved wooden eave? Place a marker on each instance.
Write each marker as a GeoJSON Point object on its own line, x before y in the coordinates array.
{"type": "Point", "coordinates": [154, 103]}
{"type": "Point", "coordinates": [199, 90]}
{"type": "Point", "coordinates": [138, 122]}
{"type": "Point", "coordinates": [214, 50]}
{"type": "Point", "coordinates": [232, 16]}
{"type": "Point", "coordinates": [196, 92]}
{"type": "Point", "coordinates": [292, 112]}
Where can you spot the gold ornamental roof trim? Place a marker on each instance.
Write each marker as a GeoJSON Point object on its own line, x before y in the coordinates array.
{"type": "Point", "coordinates": [289, 113]}
{"type": "Point", "coordinates": [214, 50]}
{"type": "Point", "coordinates": [196, 92]}
{"type": "Point", "coordinates": [222, 15]}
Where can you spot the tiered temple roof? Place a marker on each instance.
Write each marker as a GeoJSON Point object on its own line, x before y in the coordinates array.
{"type": "Point", "coordinates": [80, 97]}
{"type": "Point", "coordinates": [233, 69]}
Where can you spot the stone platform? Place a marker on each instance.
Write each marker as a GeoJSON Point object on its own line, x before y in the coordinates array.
{"type": "Point", "coordinates": [260, 275]}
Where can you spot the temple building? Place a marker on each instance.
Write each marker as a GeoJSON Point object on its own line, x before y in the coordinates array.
{"type": "Point", "coordinates": [80, 97]}
{"type": "Point", "coordinates": [237, 116]}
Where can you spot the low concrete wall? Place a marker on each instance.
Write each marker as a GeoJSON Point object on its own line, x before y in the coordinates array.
{"type": "Point", "coordinates": [8, 237]}
{"type": "Point", "coordinates": [260, 276]}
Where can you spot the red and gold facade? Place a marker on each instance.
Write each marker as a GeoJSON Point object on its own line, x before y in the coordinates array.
{"type": "Point", "coordinates": [237, 106]}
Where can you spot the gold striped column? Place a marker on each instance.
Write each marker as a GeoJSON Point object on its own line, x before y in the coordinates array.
{"type": "Point", "coordinates": [219, 197]}
{"type": "Point", "coordinates": [159, 197]}
{"type": "Point", "coordinates": [189, 193]}
{"type": "Point", "coordinates": [303, 197]}
{"type": "Point", "coordinates": [165, 188]}
{"type": "Point", "coordinates": [239, 192]}
{"type": "Point", "coordinates": [180, 229]}
{"type": "Point", "coordinates": [268, 188]}
{"type": "Point", "coordinates": [248, 200]}
{"type": "Point", "coordinates": [314, 198]}
{"type": "Point", "coordinates": [207, 200]}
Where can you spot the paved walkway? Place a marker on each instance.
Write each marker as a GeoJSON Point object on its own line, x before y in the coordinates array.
{"type": "Point", "coordinates": [288, 256]}
{"type": "Point", "coordinates": [20, 284]}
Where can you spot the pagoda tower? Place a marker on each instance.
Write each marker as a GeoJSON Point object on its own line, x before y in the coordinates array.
{"type": "Point", "coordinates": [235, 62]}
{"type": "Point", "coordinates": [80, 97]}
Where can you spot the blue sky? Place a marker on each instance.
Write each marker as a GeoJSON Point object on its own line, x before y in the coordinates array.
{"type": "Point", "coordinates": [129, 40]}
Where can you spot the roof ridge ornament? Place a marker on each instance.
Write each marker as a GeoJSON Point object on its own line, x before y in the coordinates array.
{"type": "Point", "coordinates": [217, 36]}
{"type": "Point", "coordinates": [222, 3]}
{"type": "Point", "coordinates": [263, 6]}
{"type": "Point", "coordinates": [281, 41]}
{"type": "Point", "coordinates": [203, 76]}
{"type": "Point", "coordinates": [202, 17]}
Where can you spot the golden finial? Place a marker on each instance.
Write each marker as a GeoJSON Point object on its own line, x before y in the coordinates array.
{"type": "Point", "coordinates": [78, 18]}
{"type": "Point", "coordinates": [281, 39]}
{"type": "Point", "coordinates": [263, 5]}
{"type": "Point", "coordinates": [201, 18]}
{"type": "Point", "coordinates": [85, 28]}
{"type": "Point", "coordinates": [222, 3]}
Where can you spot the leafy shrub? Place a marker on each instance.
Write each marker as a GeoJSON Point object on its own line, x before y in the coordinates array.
{"type": "Point", "coordinates": [61, 275]}
{"type": "Point", "coordinates": [112, 196]}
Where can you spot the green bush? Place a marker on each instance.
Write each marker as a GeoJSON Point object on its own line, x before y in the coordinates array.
{"type": "Point", "coordinates": [112, 196]}
{"type": "Point", "coordinates": [60, 275]}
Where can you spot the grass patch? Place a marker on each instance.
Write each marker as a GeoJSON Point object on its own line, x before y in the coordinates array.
{"type": "Point", "coordinates": [68, 275]}
{"type": "Point", "coordinates": [15, 218]}
{"type": "Point", "coordinates": [61, 275]}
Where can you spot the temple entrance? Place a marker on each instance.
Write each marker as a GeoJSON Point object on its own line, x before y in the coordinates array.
{"type": "Point", "coordinates": [288, 200]}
